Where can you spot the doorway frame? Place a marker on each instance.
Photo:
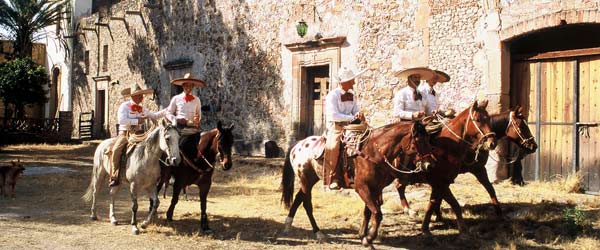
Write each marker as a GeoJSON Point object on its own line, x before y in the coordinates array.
{"type": "Point", "coordinates": [321, 52]}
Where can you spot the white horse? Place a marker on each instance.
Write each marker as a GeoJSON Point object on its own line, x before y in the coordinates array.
{"type": "Point", "coordinates": [142, 173]}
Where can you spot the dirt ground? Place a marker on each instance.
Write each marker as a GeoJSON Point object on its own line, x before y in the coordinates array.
{"type": "Point", "coordinates": [245, 212]}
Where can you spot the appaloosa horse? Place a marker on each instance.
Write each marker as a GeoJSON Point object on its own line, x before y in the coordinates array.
{"type": "Point", "coordinates": [199, 154]}
{"type": "Point", "coordinates": [449, 148]}
{"type": "Point", "coordinates": [511, 125]}
{"type": "Point", "coordinates": [142, 172]}
{"type": "Point", "coordinates": [404, 140]}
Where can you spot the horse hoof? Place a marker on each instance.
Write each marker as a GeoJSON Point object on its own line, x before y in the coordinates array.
{"type": "Point", "coordinates": [93, 217]}
{"type": "Point", "coordinates": [114, 222]}
{"type": "Point", "coordinates": [144, 224]}
{"type": "Point", "coordinates": [207, 231]}
{"type": "Point", "coordinates": [135, 231]}
{"type": "Point", "coordinates": [321, 236]}
{"type": "Point", "coordinates": [412, 214]}
{"type": "Point", "coordinates": [365, 242]}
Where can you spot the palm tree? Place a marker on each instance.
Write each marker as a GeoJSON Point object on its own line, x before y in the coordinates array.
{"type": "Point", "coordinates": [24, 19]}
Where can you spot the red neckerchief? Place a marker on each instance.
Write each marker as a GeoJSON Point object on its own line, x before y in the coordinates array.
{"type": "Point", "coordinates": [136, 108]}
{"type": "Point", "coordinates": [188, 98]}
{"type": "Point", "coordinates": [348, 97]}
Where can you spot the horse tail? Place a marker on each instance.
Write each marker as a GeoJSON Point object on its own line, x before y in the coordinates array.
{"type": "Point", "coordinates": [97, 175]}
{"type": "Point", "coordinates": [287, 181]}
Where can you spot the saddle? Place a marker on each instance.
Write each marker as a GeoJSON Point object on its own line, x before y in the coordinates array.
{"type": "Point", "coordinates": [354, 135]}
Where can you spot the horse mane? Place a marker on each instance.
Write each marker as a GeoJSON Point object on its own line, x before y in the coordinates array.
{"type": "Point", "coordinates": [498, 123]}
{"type": "Point", "coordinates": [149, 143]}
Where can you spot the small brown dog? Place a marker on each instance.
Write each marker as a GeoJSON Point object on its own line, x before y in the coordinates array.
{"type": "Point", "coordinates": [8, 178]}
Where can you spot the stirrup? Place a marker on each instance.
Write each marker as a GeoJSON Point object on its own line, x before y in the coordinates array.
{"type": "Point", "coordinates": [334, 186]}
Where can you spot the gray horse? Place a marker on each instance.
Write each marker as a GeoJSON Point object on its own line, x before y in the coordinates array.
{"type": "Point", "coordinates": [143, 170]}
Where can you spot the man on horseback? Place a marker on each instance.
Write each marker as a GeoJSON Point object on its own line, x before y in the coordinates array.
{"type": "Point", "coordinates": [131, 115]}
{"type": "Point", "coordinates": [409, 104]}
{"type": "Point", "coordinates": [429, 93]}
{"type": "Point", "coordinates": [184, 109]}
{"type": "Point", "coordinates": [341, 108]}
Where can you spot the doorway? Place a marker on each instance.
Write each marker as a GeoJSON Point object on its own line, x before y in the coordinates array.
{"type": "Point", "coordinates": [101, 114]}
{"type": "Point", "coordinates": [315, 87]}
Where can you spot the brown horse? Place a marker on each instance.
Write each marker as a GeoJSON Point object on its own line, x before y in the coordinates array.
{"type": "Point", "coordinates": [511, 125]}
{"type": "Point", "coordinates": [8, 178]}
{"type": "Point", "coordinates": [449, 150]}
{"type": "Point", "coordinates": [199, 153]}
{"type": "Point", "coordinates": [404, 140]}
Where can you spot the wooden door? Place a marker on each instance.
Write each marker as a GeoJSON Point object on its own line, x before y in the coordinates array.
{"type": "Point", "coordinates": [561, 98]}
{"type": "Point", "coordinates": [589, 117]}
{"type": "Point", "coordinates": [320, 85]}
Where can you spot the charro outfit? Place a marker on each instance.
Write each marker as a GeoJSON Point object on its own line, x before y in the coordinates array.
{"type": "Point", "coordinates": [128, 115]}
{"type": "Point", "coordinates": [186, 107]}
{"type": "Point", "coordinates": [341, 108]}
{"type": "Point", "coordinates": [429, 95]}
{"type": "Point", "coordinates": [405, 103]}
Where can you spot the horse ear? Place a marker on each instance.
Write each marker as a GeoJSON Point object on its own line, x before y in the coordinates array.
{"type": "Point", "coordinates": [164, 123]}
{"type": "Point", "coordinates": [520, 110]}
{"type": "Point", "coordinates": [220, 126]}
{"type": "Point", "coordinates": [231, 127]}
{"type": "Point", "coordinates": [475, 105]}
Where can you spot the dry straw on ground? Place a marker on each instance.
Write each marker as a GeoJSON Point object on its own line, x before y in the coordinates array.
{"type": "Point", "coordinates": [245, 212]}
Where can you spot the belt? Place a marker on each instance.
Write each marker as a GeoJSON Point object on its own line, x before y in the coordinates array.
{"type": "Point", "coordinates": [341, 123]}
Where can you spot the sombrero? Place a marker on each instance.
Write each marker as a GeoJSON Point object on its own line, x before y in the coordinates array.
{"type": "Point", "coordinates": [136, 91]}
{"type": "Point", "coordinates": [423, 72]}
{"type": "Point", "coordinates": [188, 78]}
{"type": "Point", "coordinates": [345, 74]}
{"type": "Point", "coordinates": [443, 77]}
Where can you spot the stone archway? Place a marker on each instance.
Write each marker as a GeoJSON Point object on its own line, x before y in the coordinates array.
{"type": "Point", "coordinates": [325, 51]}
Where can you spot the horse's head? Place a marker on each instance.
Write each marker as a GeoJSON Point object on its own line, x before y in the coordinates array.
{"type": "Point", "coordinates": [169, 143]}
{"type": "Point", "coordinates": [478, 126]}
{"type": "Point", "coordinates": [425, 159]}
{"type": "Point", "coordinates": [224, 144]}
{"type": "Point", "coordinates": [518, 131]}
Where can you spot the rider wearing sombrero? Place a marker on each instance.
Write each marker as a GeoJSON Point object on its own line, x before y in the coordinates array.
{"type": "Point", "coordinates": [341, 108]}
{"type": "Point", "coordinates": [409, 104]}
{"type": "Point", "coordinates": [184, 108]}
{"type": "Point", "coordinates": [428, 92]}
{"type": "Point", "coordinates": [131, 115]}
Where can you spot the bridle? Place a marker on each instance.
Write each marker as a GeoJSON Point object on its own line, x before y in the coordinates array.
{"type": "Point", "coordinates": [405, 169]}
{"type": "Point", "coordinates": [461, 138]}
{"type": "Point", "coordinates": [513, 124]}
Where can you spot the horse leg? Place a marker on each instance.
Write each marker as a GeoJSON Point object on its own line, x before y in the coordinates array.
{"type": "Point", "coordinates": [434, 201]}
{"type": "Point", "coordinates": [517, 176]}
{"type": "Point", "coordinates": [482, 177]}
{"type": "Point", "coordinates": [308, 207]}
{"type": "Point", "coordinates": [174, 200]}
{"type": "Point", "coordinates": [401, 188]}
{"type": "Point", "coordinates": [154, 206]}
{"type": "Point", "coordinates": [113, 192]}
{"type": "Point", "coordinates": [290, 218]}
{"type": "Point", "coordinates": [203, 193]}
{"type": "Point", "coordinates": [362, 232]}
{"type": "Point", "coordinates": [449, 197]}
{"type": "Point", "coordinates": [134, 208]}
{"type": "Point", "coordinates": [372, 202]}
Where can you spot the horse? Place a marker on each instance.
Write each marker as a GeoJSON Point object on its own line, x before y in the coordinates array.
{"type": "Point", "coordinates": [142, 173]}
{"type": "Point", "coordinates": [303, 160]}
{"type": "Point", "coordinates": [511, 125]}
{"type": "Point", "coordinates": [448, 151]}
{"type": "Point", "coordinates": [199, 153]}
{"type": "Point", "coordinates": [8, 178]}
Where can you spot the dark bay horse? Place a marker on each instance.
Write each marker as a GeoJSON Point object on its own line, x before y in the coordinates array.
{"type": "Point", "coordinates": [469, 129]}
{"type": "Point", "coordinates": [405, 140]}
{"type": "Point", "coordinates": [199, 154]}
{"type": "Point", "coordinates": [511, 125]}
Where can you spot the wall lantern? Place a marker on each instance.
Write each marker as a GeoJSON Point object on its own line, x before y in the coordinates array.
{"type": "Point", "coordinates": [301, 28]}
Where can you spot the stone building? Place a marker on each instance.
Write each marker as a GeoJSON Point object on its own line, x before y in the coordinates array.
{"type": "Point", "coordinates": [270, 82]}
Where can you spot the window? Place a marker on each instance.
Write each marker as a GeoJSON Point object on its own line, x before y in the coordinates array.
{"type": "Point", "coordinates": [105, 58]}
{"type": "Point", "coordinates": [86, 60]}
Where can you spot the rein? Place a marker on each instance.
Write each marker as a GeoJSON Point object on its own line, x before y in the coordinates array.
{"type": "Point", "coordinates": [511, 122]}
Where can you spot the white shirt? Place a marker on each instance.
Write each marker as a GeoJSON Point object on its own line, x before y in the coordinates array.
{"type": "Point", "coordinates": [338, 111]}
{"type": "Point", "coordinates": [430, 100]}
{"type": "Point", "coordinates": [405, 104]}
{"type": "Point", "coordinates": [179, 108]}
{"type": "Point", "coordinates": [128, 119]}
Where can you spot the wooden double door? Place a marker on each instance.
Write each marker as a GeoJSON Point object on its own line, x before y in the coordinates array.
{"type": "Point", "coordinates": [562, 101]}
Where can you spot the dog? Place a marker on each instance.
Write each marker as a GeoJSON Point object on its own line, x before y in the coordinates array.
{"type": "Point", "coordinates": [8, 178]}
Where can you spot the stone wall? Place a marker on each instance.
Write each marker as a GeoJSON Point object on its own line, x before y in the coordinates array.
{"type": "Point", "coordinates": [238, 48]}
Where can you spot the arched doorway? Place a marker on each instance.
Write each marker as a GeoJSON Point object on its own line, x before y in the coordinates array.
{"type": "Point", "coordinates": [555, 75]}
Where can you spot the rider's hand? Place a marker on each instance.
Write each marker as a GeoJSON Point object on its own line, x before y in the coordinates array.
{"type": "Point", "coordinates": [418, 114]}
{"type": "Point", "coordinates": [360, 116]}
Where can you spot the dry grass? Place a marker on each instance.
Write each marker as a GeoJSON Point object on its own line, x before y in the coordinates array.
{"type": "Point", "coordinates": [245, 212]}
